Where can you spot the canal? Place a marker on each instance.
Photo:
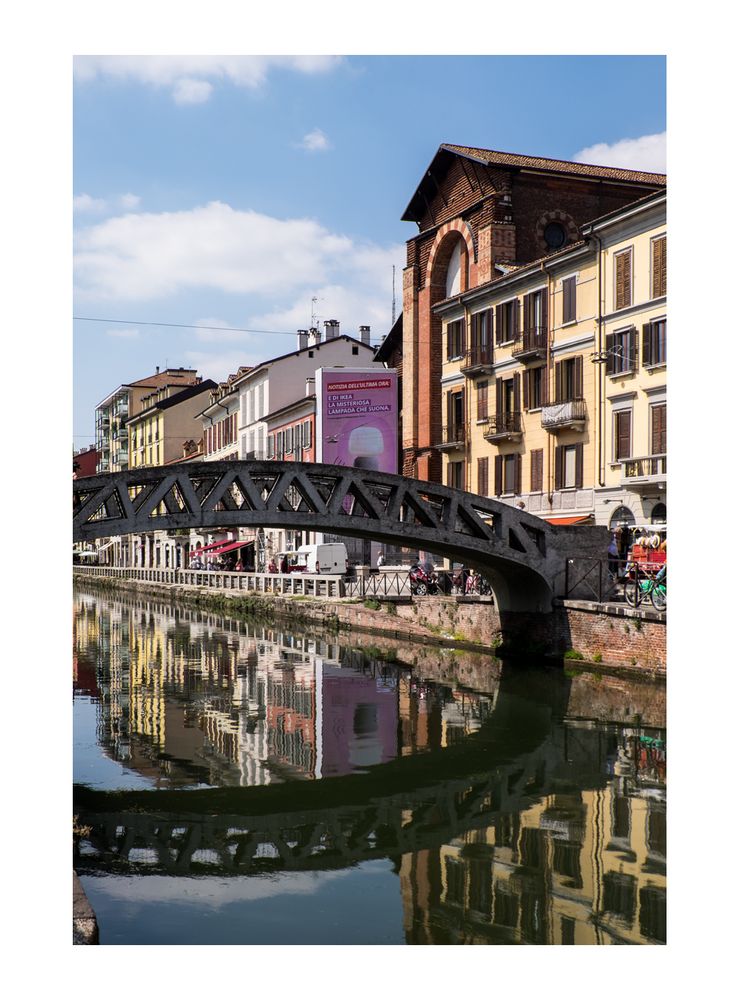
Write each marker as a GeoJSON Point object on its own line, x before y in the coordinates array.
{"type": "Point", "coordinates": [237, 783]}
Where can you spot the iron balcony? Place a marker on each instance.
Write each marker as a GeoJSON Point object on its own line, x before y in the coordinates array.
{"type": "Point", "coordinates": [570, 415]}
{"type": "Point", "coordinates": [504, 427]}
{"type": "Point", "coordinates": [477, 360]}
{"type": "Point", "coordinates": [646, 472]}
{"type": "Point", "coordinates": [531, 345]}
{"type": "Point", "coordinates": [453, 436]}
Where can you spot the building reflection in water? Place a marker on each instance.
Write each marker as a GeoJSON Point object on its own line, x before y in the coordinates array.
{"type": "Point", "coordinates": [186, 699]}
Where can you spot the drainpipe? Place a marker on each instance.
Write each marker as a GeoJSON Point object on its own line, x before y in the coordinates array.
{"type": "Point", "coordinates": [600, 347]}
{"type": "Point", "coordinates": [550, 444]}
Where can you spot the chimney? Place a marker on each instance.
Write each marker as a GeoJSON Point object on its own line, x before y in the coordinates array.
{"type": "Point", "coordinates": [365, 335]}
{"type": "Point", "coordinates": [157, 370]}
{"type": "Point", "coordinates": [314, 337]}
{"type": "Point", "coordinates": [331, 328]}
{"type": "Point", "coordinates": [310, 385]}
{"type": "Point", "coordinates": [302, 339]}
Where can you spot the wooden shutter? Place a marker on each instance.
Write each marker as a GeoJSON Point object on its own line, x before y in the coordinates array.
{"type": "Point", "coordinates": [623, 423]}
{"type": "Point", "coordinates": [659, 267]}
{"type": "Point", "coordinates": [518, 468]}
{"type": "Point", "coordinates": [569, 300]}
{"type": "Point", "coordinates": [558, 381]}
{"type": "Point", "coordinates": [633, 348]}
{"type": "Point", "coordinates": [499, 396]}
{"type": "Point", "coordinates": [544, 385]}
{"type": "Point", "coordinates": [578, 377]}
{"type": "Point", "coordinates": [579, 466]}
{"type": "Point", "coordinates": [499, 324]}
{"type": "Point", "coordinates": [624, 280]}
{"type": "Point", "coordinates": [517, 393]}
{"type": "Point", "coordinates": [497, 474]}
{"type": "Point", "coordinates": [449, 341]}
{"type": "Point", "coordinates": [658, 430]}
{"type": "Point", "coordinates": [544, 297]}
{"type": "Point", "coordinates": [558, 467]}
{"type": "Point", "coordinates": [515, 320]}
{"type": "Point", "coordinates": [535, 475]}
{"type": "Point", "coordinates": [647, 344]}
{"type": "Point", "coordinates": [483, 477]}
{"type": "Point", "coordinates": [527, 313]}
{"type": "Point", "coordinates": [525, 386]}
{"type": "Point", "coordinates": [611, 358]}
{"type": "Point", "coordinates": [482, 411]}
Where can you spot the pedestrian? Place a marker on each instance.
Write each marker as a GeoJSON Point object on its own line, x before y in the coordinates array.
{"type": "Point", "coordinates": [284, 568]}
{"type": "Point", "coordinates": [381, 560]}
{"type": "Point", "coordinates": [272, 567]}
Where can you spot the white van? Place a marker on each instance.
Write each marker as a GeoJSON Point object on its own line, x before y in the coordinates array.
{"type": "Point", "coordinates": [330, 557]}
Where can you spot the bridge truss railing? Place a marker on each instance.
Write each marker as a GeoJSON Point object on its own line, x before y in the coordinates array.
{"type": "Point", "coordinates": [300, 584]}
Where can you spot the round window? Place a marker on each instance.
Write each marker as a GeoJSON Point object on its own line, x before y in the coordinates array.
{"type": "Point", "coordinates": [555, 235]}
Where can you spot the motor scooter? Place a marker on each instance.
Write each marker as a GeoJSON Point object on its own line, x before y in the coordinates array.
{"type": "Point", "coordinates": [423, 581]}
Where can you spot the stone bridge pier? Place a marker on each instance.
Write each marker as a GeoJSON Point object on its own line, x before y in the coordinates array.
{"type": "Point", "coordinates": [523, 556]}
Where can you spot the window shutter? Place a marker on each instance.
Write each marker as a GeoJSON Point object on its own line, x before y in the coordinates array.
{"type": "Point", "coordinates": [449, 474]}
{"type": "Point", "coordinates": [525, 386]}
{"type": "Point", "coordinates": [558, 381]}
{"type": "Point", "coordinates": [517, 393]}
{"type": "Point", "coordinates": [579, 466]}
{"type": "Point", "coordinates": [578, 377]}
{"type": "Point", "coordinates": [499, 396]}
{"type": "Point", "coordinates": [633, 348]}
{"type": "Point", "coordinates": [658, 430]}
{"type": "Point", "coordinates": [611, 359]}
{"type": "Point", "coordinates": [489, 328]}
{"type": "Point", "coordinates": [499, 324]}
{"type": "Point", "coordinates": [624, 280]}
{"type": "Point", "coordinates": [527, 313]}
{"type": "Point", "coordinates": [569, 300]}
{"type": "Point", "coordinates": [647, 344]}
{"type": "Point", "coordinates": [623, 427]}
{"type": "Point", "coordinates": [535, 477]}
{"type": "Point", "coordinates": [518, 467]}
{"type": "Point", "coordinates": [659, 267]}
{"type": "Point", "coordinates": [558, 467]}
{"type": "Point", "coordinates": [497, 470]}
{"type": "Point", "coordinates": [515, 320]}
{"type": "Point", "coordinates": [544, 385]}
{"type": "Point", "coordinates": [544, 297]}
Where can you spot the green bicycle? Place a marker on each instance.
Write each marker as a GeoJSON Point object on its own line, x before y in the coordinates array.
{"type": "Point", "coordinates": [642, 587]}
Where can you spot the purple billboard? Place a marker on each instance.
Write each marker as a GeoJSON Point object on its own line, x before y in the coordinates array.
{"type": "Point", "coordinates": [357, 412]}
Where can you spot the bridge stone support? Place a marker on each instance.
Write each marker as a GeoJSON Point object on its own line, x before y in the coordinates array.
{"type": "Point", "coordinates": [522, 555]}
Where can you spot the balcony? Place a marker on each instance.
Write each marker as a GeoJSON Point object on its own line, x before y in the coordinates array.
{"type": "Point", "coordinates": [504, 427]}
{"type": "Point", "coordinates": [571, 415]}
{"type": "Point", "coordinates": [644, 473]}
{"type": "Point", "coordinates": [453, 436]}
{"type": "Point", "coordinates": [479, 359]}
{"type": "Point", "coordinates": [531, 345]}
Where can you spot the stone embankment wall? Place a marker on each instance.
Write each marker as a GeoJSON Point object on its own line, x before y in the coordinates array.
{"type": "Point", "coordinates": [617, 636]}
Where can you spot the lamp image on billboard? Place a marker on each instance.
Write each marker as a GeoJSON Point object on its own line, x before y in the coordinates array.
{"type": "Point", "coordinates": [358, 418]}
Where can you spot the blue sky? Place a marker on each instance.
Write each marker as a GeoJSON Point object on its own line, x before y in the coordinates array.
{"type": "Point", "coordinates": [230, 191]}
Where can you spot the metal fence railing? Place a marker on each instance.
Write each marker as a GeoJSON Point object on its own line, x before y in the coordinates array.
{"type": "Point", "coordinates": [606, 580]}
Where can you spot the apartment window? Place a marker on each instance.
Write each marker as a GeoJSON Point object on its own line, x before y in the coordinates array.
{"type": "Point", "coordinates": [621, 351]}
{"type": "Point", "coordinates": [455, 339]}
{"type": "Point", "coordinates": [569, 467]}
{"type": "Point", "coordinates": [482, 400]}
{"type": "Point", "coordinates": [456, 475]}
{"type": "Point", "coordinates": [535, 313]}
{"type": "Point", "coordinates": [508, 474]}
{"type": "Point", "coordinates": [658, 429]}
{"type": "Point", "coordinates": [270, 445]}
{"type": "Point", "coordinates": [619, 895]}
{"type": "Point", "coordinates": [658, 267]}
{"type": "Point", "coordinates": [279, 444]}
{"type": "Point", "coordinates": [535, 471]}
{"type": "Point", "coordinates": [654, 343]}
{"type": "Point", "coordinates": [623, 279]}
{"type": "Point", "coordinates": [483, 477]}
{"type": "Point", "coordinates": [569, 379]}
{"type": "Point", "coordinates": [289, 441]}
{"type": "Point", "coordinates": [507, 395]}
{"type": "Point", "coordinates": [569, 299]}
{"type": "Point", "coordinates": [307, 434]}
{"type": "Point", "coordinates": [481, 328]}
{"type": "Point", "coordinates": [622, 435]}
{"type": "Point", "coordinates": [507, 321]}
{"type": "Point", "coordinates": [355, 349]}
{"type": "Point", "coordinates": [455, 410]}
{"type": "Point", "coordinates": [535, 388]}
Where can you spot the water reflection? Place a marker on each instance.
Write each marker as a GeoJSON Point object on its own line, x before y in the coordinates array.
{"type": "Point", "coordinates": [559, 841]}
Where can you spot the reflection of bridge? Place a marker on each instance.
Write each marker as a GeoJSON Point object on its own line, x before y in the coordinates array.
{"type": "Point", "coordinates": [522, 555]}
{"type": "Point", "coordinates": [293, 827]}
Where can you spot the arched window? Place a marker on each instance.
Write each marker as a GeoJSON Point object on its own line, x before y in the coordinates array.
{"type": "Point", "coordinates": [659, 514]}
{"type": "Point", "coordinates": [622, 515]}
{"type": "Point", "coordinates": [452, 280]}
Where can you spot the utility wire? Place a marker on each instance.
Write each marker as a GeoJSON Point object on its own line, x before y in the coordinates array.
{"type": "Point", "coordinates": [184, 326]}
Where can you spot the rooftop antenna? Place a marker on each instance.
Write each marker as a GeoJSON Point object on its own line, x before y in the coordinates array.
{"type": "Point", "coordinates": [314, 313]}
{"type": "Point", "coordinates": [393, 305]}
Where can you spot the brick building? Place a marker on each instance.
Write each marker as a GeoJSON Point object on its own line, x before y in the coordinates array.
{"type": "Point", "coordinates": [478, 212]}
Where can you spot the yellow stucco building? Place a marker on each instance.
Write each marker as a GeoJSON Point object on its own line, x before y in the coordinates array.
{"type": "Point", "coordinates": [541, 364]}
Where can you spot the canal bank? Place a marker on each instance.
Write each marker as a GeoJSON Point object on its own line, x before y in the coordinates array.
{"type": "Point", "coordinates": [608, 638]}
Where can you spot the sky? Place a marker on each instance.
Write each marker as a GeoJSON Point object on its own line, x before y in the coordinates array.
{"type": "Point", "coordinates": [238, 193]}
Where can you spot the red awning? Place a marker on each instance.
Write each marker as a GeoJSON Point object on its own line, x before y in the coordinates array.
{"type": "Point", "coordinates": [211, 546]}
{"type": "Point", "coordinates": [233, 545]}
{"type": "Point", "coordinates": [218, 548]}
{"type": "Point", "coordinates": [568, 520]}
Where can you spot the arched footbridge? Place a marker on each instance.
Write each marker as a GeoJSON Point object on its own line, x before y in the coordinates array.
{"type": "Point", "coordinates": [522, 555]}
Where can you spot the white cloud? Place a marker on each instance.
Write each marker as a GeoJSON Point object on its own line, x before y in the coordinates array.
{"type": "Point", "coordinates": [188, 75]}
{"type": "Point", "coordinates": [188, 91]}
{"type": "Point", "coordinates": [315, 141]}
{"type": "Point", "coordinates": [86, 203]}
{"type": "Point", "coordinates": [129, 200]}
{"type": "Point", "coordinates": [648, 152]}
{"type": "Point", "coordinates": [145, 256]}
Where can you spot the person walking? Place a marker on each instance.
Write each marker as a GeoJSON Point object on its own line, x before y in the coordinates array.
{"type": "Point", "coordinates": [613, 557]}
{"type": "Point", "coordinates": [381, 560]}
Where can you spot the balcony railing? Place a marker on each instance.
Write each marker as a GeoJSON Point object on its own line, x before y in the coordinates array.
{"type": "Point", "coordinates": [561, 416]}
{"type": "Point", "coordinates": [531, 344]}
{"type": "Point", "coordinates": [476, 360]}
{"type": "Point", "coordinates": [504, 426]}
{"type": "Point", "coordinates": [647, 470]}
{"type": "Point", "coordinates": [453, 436]}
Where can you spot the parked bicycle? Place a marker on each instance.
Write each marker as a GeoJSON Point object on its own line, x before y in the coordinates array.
{"type": "Point", "coordinates": [477, 584]}
{"type": "Point", "coordinates": [641, 586]}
